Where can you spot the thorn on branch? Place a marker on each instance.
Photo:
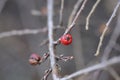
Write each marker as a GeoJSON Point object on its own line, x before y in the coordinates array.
{"type": "Point", "coordinates": [36, 59]}
{"type": "Point", "coordinates": [64, 58]}
{"type": "Point", "coordinates": [44, 57]}
{"type": "Point", "coordinates": [44, 42]}
{"type": "Point", "coordinates": [46, 74]}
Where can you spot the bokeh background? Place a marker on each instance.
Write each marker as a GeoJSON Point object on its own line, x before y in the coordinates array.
{"type": "Point", "coordinates": [15, 50]}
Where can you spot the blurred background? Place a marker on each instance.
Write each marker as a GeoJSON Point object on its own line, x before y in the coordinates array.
{"type": "Point", "coordinates": [32, 14]}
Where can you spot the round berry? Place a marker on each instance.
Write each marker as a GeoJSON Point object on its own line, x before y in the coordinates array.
{"type": "Point", "coordinates": [66, 39]}
{"type": "Point", "coordinates": [34, 59]}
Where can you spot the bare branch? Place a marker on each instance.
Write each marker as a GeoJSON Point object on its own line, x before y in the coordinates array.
{"type": "Point", "coordinates": [74, 20]}
{"type": "Point", "coordinates": [112, 41]}
{"type": "Point", "coordinates": [44, 42]}
{"type": "Point", "coordinates": [113, 73]}
{"type": "Point", "coordinates": [111, 44]}
{"type": "Point", "coordinates": [106, 28]}
{"type": "Point", "coordinates": [26, 32]}
{"type": "Point", "coordinates": [93, 68]}
{"type": "Point", "coordinates": [51, 39]}
{"type": "Point", "coordinates": [61, 13]}
{"type": "Point", "coordinates": [91, 12]}
{"type": "Point", "coordinates": [22, 32]}
{"type": "Point", "coordinates": [74, 11]}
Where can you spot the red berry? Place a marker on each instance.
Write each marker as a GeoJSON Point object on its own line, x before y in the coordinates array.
{"type": "Point", "coordinates": [34, 59]}
{"type": "Point", "coordinates": [66, 39]}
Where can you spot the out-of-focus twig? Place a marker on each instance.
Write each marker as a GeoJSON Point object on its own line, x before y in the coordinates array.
{"type": "Point", "coordinates": [26, 32]}
{"type": "Point", "coordinates": [44, 42]}
{"type": "Point", "coordinates": [113, 73]}
{"type": "Point", "coordinates": [111, 44]}
{"type": "Point", "coordinates": [61, 13]}
{"type": "Point", "coordinates": [36, 12]}
{"type": "Point", "coordinates": [74, 11]}
{"type": "Point", "coordinates": [112, 41]}
{"type": "Point", "coordinates": [76, 17]}
{"type": "Point", "coordinates": [93, 68]}
{"type": "Point", "coordinates": [74, 20]}
{"type": "Point", "coordinates": [91, 12]}
{"type": "Point", "coordinates": [22, 32]}
{"type": "Point", "coordinates": [106, 28]}
{"type": "Point", "coordinates": [79, 61]}
{"type": "Point", "coordinates": [117, 47]}
{"type": "Point", "coordinates": [51, 40]}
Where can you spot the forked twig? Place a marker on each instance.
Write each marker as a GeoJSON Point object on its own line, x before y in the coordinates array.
{"type": "Point", "coordinates": [113, 73]}
{"type": "Point", "coordinates": [76, 17]}
{"type": "Point", "coordinates": [106, 28]}
{"type": "Point", "coordinates": [91, 12]}
{"type": "Point", "coordinates": [47, 73]}
{"type": "Point", "coordinates": [74, 11]}
{"type": "Point", "coordinates": [74, 20]}
{"type": "Point", "coordinates": [93, 68]}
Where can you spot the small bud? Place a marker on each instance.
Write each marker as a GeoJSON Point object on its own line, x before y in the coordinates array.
{"type": "Point", "coordinates": [34, 59]}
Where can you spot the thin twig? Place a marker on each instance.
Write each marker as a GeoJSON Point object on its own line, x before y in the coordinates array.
{"type": "Point", "coordinates": [117, 47]}
{"type": "Point", "coordinates": [106, 28]}
{"type": "Point", "coordinates": [111, 44]}
{"type": "Point", "coordinates": [44, 42]}
{"type": "Point", "coordinates": [51, 39]}
{"type": "Point", "coordinates": [91, 12]}
{"type": "Point", "coordinates": [93, 68]}
{"type": "Point", "coordinates": [112, 41]}
{"type": "Point", "coordinates": [76, 17]}
{"type": "Point", "coordinates": [58, 58]}
{"type": "Point", "coordinates": [74, 20]}
{"type": "Point", "coordinates": [113, 73]}
{"type": "Point", "coordinates": [47, 73]}
{"type": "Point", "coordinates": [22, 32]}
{"type": "Point", "coordinates": [26, 32]}
{"type": "Point", "coordinates": [74, 11]}
{"type": "Point", "coordinates": [61, 13]}
{"type": "Point", "coordinates": [64, 58]}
